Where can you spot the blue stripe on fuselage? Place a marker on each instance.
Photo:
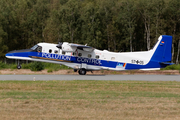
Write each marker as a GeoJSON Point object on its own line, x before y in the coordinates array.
{"type": "Point", "coordinates": [88, 61]}
{"type": "Point", "coordinates": [151, 64]}
{"type": "Point", "coordinates": [79, 60]}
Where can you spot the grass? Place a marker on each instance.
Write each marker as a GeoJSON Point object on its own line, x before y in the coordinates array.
{"type": "Point", "coordinates": [5, 66]}
{"type": "Point", "coordinates": [54, 67]}
{"type": "Point", "coordinates": [172, 67]}
{"type": "Point", "coordinates": [125, 100]}
{"type": "Point", "coordinates": [49, 66]}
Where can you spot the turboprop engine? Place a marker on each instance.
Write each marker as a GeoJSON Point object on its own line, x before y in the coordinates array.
{"type": "Point", "coordinates": [67, 48]}
{"type": "Point", "coordinates": [71, 47]}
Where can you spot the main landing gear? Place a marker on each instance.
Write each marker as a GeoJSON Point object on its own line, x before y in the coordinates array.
{"type": "Point", "coordinates": [82, 71]}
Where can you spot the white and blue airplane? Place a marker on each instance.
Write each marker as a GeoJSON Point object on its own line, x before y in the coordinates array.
{"type": "Point", "coordinates": [84, 58]}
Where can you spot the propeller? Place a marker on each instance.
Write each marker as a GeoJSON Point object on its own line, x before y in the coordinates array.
{"type": "Point", "coordinates": [59, 45]}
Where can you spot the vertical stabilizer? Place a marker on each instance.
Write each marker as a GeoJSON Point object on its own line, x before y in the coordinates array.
{"type": "Point", "coordinates": [162, 50]}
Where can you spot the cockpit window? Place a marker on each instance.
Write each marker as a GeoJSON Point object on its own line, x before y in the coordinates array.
{"type": "Point", "coordinates": [34, 47]}
{"type": "Point", "coordinates": [37, 48]}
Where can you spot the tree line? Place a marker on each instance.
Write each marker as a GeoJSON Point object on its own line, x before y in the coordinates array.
{"type": "Point", "coordinates": [115, 25]}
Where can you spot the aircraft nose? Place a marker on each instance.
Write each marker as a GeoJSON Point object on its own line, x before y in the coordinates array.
{"type": "Point", "coordinates": [9, 54]}
{"type": "Point", "coordinates": [18, 53]}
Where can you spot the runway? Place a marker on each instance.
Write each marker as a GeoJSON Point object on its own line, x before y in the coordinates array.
{"type": "Point", "coordinates": [92, 77]}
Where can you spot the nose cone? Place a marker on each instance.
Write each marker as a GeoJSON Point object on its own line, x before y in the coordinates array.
{"type": "Point", "coordinates": [9, 54]}
{"type": "Point", "coordinates": [18, 53]}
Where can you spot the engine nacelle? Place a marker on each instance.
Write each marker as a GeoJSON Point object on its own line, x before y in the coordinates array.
{"type": "Point", "coordinates": [67, 48]}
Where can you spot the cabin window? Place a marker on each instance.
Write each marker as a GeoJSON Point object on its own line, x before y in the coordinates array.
{"type": "Point", "coordinates": [89, 55]}
{"type": "Point", "coordinates": [80, 54]}
{"type": "Point", "coordinates": [113, 58]}
{"type": "Point", "coordinates": [63, 52]}
{"type": "Point", "coordinates": [97, 56]}
{"type": "Point", "coordinates": [50, 51]}
{"type": "Point", "coordinates": [55, 51]}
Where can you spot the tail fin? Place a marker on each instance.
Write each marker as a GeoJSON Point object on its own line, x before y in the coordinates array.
{"type": "Point", "coordinates": [162, 49]}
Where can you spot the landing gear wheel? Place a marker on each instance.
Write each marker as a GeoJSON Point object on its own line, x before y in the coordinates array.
{"type": "Point", "coordinates": [82, 71]}
{"type": "Point", "coordinates": [18, 66]}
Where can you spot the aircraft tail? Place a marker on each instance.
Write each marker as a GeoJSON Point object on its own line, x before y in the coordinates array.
{"type": "Point", "coordinates": [162, 50]}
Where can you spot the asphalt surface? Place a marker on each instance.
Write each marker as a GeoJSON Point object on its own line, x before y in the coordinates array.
{"type": "Point", "coordinates": [92, 77]}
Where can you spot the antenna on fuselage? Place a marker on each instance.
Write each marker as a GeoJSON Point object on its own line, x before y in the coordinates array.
{"type": "Point", "coordinates": [120, 51]}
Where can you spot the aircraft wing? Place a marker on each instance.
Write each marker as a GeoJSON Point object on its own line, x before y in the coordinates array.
{"type": "Point", "coordinates": [82, 47]}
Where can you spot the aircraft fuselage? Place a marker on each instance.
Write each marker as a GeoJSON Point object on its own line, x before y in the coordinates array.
{"type": "Point", "coordinates": [85, 58]}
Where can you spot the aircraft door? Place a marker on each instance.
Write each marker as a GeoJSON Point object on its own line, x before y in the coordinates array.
{"type": "Point", "coordinates": [103, 56]}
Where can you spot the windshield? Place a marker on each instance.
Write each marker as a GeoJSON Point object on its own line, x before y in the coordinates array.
{"type": "Point", "coordinates": [34, 47]}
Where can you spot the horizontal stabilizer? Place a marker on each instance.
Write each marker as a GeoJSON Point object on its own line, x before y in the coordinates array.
{"type": "Point", "coordinates": [166, 63]}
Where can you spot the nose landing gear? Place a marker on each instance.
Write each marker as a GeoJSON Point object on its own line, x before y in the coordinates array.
{"type": "Point", "coordinates": [19, 65]}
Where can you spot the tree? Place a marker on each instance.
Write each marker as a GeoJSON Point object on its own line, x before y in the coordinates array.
{"type": "Point", "coordinates": [91, 30]}
{"type": "Point", "coordinates": [172, 17]}
{"type": "Point", "coordinates": [69, 17]}
{"type": "Point", "coordinates": [107, 24]}
{"type": "Point", "coordinates": [127, 16]}
{"type": "Point", "coordinates": [146, 11]}
{"type": "Point", "coordinates": [115, 25]}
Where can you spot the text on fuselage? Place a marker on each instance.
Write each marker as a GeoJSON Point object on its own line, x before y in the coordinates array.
{"type": "Point", "coordinates": [56, 56]}
{"type": "Point", "coordinates": [88, 60]}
